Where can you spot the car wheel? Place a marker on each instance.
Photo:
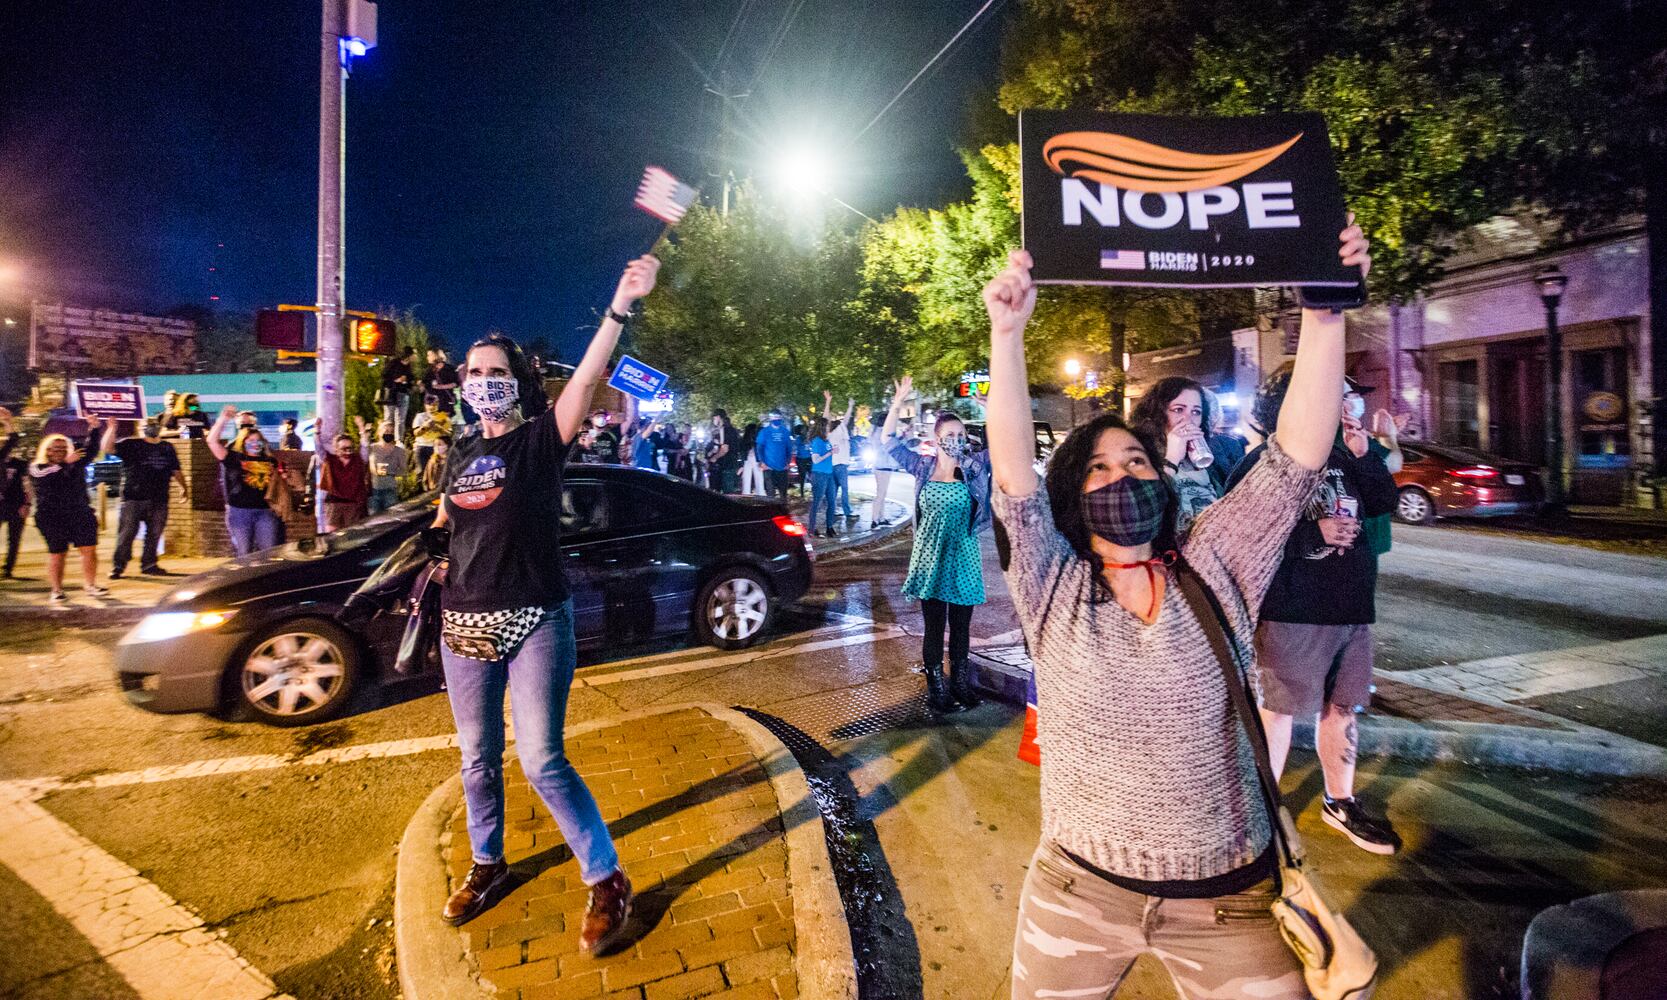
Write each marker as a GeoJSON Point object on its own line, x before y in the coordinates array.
{"type": "Point", "coordinates": [295, 673]}
{"type": "Point", "coordinates": [1414, 506]}
{"type": "Point", "coordinates": [733, 609]}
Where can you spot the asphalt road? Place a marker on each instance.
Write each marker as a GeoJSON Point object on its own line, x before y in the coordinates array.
{"type": "Point", "coordinates": [293, 859]}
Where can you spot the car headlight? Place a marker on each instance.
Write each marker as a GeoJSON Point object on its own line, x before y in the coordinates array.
{"type": "Point", "coordinates": [173, 624]}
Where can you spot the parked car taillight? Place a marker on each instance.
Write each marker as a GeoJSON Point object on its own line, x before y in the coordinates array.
{"type": "Point", "coordinates": [789, 526]}
{"type": "Point", "coordinates": [1476, 472]}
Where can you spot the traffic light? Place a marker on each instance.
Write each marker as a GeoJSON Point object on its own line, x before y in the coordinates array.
{"type": "Point", "coordinates": [372, 336]}
{"type": "Point", "coordinates": [284, 331]}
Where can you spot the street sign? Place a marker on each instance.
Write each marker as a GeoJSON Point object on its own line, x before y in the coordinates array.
{"type": "Point", "coordinates": [634, 378]}
{"type": "Point", "coordinates": [1182, 202]}
{"type": "Point", "coordinates": [121, 400]}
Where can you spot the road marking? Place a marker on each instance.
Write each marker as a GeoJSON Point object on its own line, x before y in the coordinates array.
{"type": "Point", "coordinates": [691, 654]}
{"type": "Point", "coordinates": [882, 633]}
{"type": "Point", "coordinates": [162, 949]}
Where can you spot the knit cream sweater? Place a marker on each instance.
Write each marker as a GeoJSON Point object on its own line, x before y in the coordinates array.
{"type": "Point", "coordinates": [1146, 771]}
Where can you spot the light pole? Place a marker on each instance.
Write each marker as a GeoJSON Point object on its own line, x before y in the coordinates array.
{"type": "Point", "coordinates": [1551, 281]}
{"type": "Point", "coordinates": [1073, 368]}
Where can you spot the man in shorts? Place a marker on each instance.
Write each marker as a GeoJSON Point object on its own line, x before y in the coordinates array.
{"type": "Point", "coordinates": [1314, 643]}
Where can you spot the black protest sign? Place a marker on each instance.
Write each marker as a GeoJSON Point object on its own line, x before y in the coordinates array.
{"type": "Point", "coordinates": [1184, 202]}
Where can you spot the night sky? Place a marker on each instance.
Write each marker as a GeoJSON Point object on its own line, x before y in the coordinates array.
{"type": "Point", "coordinates": [493, 148]}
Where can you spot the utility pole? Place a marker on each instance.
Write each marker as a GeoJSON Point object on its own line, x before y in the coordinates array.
{"type": "Point", "coordinates": [726, 134]}
{"type": "Point", "coordinates": [332, 165]}
{"type": "Point", "coordinates": [348, 29]}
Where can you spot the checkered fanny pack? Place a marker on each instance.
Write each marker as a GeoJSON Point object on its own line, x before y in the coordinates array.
{"type": "Point", "coordinates": [488, 635]}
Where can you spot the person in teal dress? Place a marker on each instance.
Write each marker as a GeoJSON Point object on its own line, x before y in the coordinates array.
{"type": "Point", "coordinates": [946, 568]}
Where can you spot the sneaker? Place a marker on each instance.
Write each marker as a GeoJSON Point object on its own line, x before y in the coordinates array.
{"type": "Point", "coordinates": [606, 914]}
{"type": "Point", "coordinates": [1368, 832]}
{"type": "Point", "coordinates": [58, 599]}
{"type": "Point", "coordinates": [116, 574]}
{"type": "Point", "coordinates": [155, 571]}
{"type": "Point", "coordinates": [96, 591]}
{"type": "Point", "coordinates": [474, 895]}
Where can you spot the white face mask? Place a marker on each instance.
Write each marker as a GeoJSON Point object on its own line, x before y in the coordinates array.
{"type": "Point", "coordinates": [492, 398]}
{"type": "Point", "coordinates": [1355, 406]}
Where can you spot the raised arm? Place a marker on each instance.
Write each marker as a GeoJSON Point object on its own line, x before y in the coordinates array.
{"type": "Point", "coordinates": [903, 387]}
{"type": "Point", "coordinates": [1308, 420]}
{"type": "Point", "coordinates": [1010, 298]}
{"type": "Point", "coordinates": [217, 447]}
{"type": "Point", "coordinates": [574, 402]}
{"type": "Point", "coordinates": [107, 443]}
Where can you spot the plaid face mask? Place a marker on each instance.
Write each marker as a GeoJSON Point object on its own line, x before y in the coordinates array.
{"type": "Point", "coordinates": [1128, 511]}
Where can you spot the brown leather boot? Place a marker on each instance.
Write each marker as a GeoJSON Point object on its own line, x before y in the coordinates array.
{"type": "Point", "coordinates": [606, 914]}
{"type": "Point", "coordinates": [474, 894]}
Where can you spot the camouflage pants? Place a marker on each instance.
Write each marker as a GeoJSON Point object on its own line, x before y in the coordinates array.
{"type": "Point", "coordinates": [1078, 934]}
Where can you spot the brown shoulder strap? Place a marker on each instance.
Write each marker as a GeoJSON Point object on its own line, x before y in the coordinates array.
{"type": "Point", "coordinates": [1213, 621]}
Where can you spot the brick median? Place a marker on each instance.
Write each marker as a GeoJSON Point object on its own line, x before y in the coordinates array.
{"type": "Point", "coordinates": [699, 832]}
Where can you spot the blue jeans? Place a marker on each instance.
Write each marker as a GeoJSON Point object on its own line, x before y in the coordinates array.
{"type": "Point", "coordinates": [383, 497]}
{"type": "Point", "coordinates": [253, 529]}
{"type": "Point", "coordinates": [537, 677]}
{"type": "Point", "coordinates": [821, 492]}
{"type": "Point", "coordinates": [842, 490]}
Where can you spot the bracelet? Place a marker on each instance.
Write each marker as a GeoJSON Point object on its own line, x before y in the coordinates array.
{"type": "Point", "coordinates": [620, 318]}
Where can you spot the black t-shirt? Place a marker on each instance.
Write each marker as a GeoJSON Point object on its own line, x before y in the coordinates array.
{"type": "Point", "coordinates": [146, 468]}
{"type": "Point", "coordinates": [503, 500]}
{"type": "Point", "coordinates": [246, 480]}
{"type": "Point", "coordinates": [12, 470]}
{"type": "Point", "coordinates": [605, 445]}
{"type": "Point", "coordinates": [396, 369]}
{"type": "Point", "coordinates": [63, 488]}
{"type": "Point", "coordinates": [731, 459]}
{"type": "Point", "coordinates": [1317, 584]}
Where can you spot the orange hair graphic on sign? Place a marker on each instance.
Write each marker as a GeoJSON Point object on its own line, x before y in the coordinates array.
{"type": "Point", "coordinates": [1143, 166]}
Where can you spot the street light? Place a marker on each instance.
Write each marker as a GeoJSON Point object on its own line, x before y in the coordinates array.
{"type": "Point", "coordinates": [1073, 368]}
{"type": "Point", "coordinates": [1551, 281]}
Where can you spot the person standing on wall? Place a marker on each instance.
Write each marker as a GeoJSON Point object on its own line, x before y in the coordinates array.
{"type": "Point", "coordinates": [255, 491]}
{"type": "Point", "coordinates": [395, 394]}
{"type": "Point", "coordinates": [507, 613]}
{"type": "Point", "coordinates": [147, 466]}
{"type": "Point", "coordinates": [388, 462]}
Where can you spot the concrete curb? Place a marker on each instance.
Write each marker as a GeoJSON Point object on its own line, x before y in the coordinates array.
{"type": "Point", "coordinates": [1506, 746]}
{"type": "Point", "coordinates": [1526, 747]}
{"type": "Point", "coordinates": [432, 960]}
{"type": "Point", "coordinates": [433, 964]}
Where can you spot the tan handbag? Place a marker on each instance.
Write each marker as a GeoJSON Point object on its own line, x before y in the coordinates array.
{"type": "Point", "coordinates": [1336, 963]}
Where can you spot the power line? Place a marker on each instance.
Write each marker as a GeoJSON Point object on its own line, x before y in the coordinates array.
{"type": "Point", "coordinates": [791, 15]}
{"type": "Point", "coordinates": [922, 72]}
{"type": "Point", "coordinates": [723, 50]}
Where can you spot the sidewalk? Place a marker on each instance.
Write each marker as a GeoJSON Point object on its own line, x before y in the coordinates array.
{"type": "Point", "coordinates": [1493, 711]}
{"type": "Point", "coordinates": [716, 827]}
{"type": "Point", "coordinates": [130, 598]}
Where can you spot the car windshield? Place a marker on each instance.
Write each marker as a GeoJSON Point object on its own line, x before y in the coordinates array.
{"type": "Point", "coordinates": [366, 530]}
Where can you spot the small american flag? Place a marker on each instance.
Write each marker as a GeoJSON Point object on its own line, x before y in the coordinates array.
{"type": "Point", "coordinates": [664, 196]}
{"type": "Point", "coordinates": [1123, 260]}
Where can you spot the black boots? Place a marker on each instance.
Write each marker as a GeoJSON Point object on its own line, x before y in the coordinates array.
{"type": "Point", "coordinates": [937, 693]}
{"type": "Point", "coordinates": [960, 681]}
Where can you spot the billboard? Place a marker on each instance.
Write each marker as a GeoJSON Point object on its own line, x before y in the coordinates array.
{"type": "Point", "coordinates": [102, 341]}
{"type": "Point", "coordinates": [1181, 202]}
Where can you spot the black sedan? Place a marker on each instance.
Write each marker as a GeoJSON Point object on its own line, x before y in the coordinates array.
{"type": "Point", "coordinates": [647, 555]}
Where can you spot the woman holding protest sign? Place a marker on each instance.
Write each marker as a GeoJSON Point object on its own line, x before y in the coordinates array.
{"type": "Point", "coordinates": [63, 515]}
{"type": "Point", "coordinates": [507, 617]}
{"type": "Point", "coordinates": [1155, 836]}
